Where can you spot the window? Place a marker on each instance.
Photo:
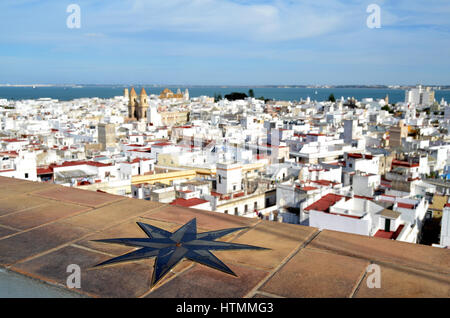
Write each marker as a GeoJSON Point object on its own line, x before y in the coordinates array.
{"type": "Point", "coordinates": [226, 212]}
{"type": "Point", "coordinates": [26, 175]}
{"type": "Point", "coordinates": [256, 205]}
{"type": "Point", "coordinates": [387, 225]}
{"type": "Point", "coordinates": [220, 179]}
{"type": "Point", "coordinates": [236, 211]}
{"type": "Point", "coordinates": [246, 208]}
{"type": "Point", "coordinates": [234, 188]}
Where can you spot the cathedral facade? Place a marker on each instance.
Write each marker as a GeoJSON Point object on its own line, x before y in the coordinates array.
{"type": "Point", "coordinates": [137, 106]}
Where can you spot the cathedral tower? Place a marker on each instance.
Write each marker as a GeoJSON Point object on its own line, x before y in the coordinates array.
{"type": "Point", "coordinates": [143, 104]}
{"type": "Point", "coordinates": [132, 103]}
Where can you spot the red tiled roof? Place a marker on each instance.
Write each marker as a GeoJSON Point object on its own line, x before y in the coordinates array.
{"type": "Point", "coordinates": [184, 127]}
{"type": "Point", "coordinates": [325, 182]}
{"type": "Point", "coordinates": [188, 203]}
{"type": "Point", "coordinates": [404, 164]}
{"type": "Point", "coordinates": [405, 205]}
{"type": "Point", "coordinates": [316, 135]}
{"type": "Point", "coordinates": [389, 235]}
{"type": "Point", "coordinates": [79, 163]}
{"type": "Point", "coordinates": [347, 215]}
{"type": "Point", "coordinates": [363, 197]}
{"type": "Point", "coordinates": [41, 171]}
{"type": "Point", "coordinates": [308, 188]}
{"type": "Point", "coordinates": [162, 144]}
{"type": "Point", "coordinates": [237, 195]}
{"type": "Point", "coordinates": [325, 203]}
{"type": "Point", "coordinates": [360, 156]}
{"type": "Point", "coordinates": [13, 140]}
{"type": "Point", "coordinates": [9, 153]}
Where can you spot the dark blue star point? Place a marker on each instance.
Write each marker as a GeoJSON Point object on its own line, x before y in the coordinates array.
{"type": "Point", "coordinates": [171, 248]}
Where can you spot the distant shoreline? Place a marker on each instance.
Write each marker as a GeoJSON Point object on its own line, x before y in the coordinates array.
{"type": "Point", "coordinates": [401, 87]}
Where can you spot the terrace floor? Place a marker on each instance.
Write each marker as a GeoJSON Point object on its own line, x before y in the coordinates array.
{"type": "Point", "coordinates": [46, 227]}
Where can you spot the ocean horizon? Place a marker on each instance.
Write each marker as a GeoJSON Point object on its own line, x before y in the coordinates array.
{"type": "Point", "coordinates": [67, 93]}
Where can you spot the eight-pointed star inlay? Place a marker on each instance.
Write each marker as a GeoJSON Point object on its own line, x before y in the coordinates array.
{"type": "Point", "coordinates": [170, 248]}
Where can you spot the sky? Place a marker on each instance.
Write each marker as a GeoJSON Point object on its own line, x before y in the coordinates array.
{"type": "Point", "coordinates": [225, 42]}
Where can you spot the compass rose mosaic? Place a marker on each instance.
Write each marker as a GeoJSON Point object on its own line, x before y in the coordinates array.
{"type": "Point", "coordinates": [170, 248]}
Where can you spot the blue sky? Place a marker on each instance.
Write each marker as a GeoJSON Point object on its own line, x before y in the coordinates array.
{"type": "Point", "coordinates": [225, 42]}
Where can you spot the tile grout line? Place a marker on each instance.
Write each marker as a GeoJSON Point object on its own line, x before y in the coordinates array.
{"type": "Point", "coordinates": [384, 261]}
{"type": "Point", "coordinates": [9, 228]}
{"type": "Point", "coordinates": [91, 249]}
{"type": "Point", "coordinates": [24, 210]}
{"type": "Point", "coordinates": [71, 242]}
{"type": "Point", "coordinates": [87, 209]}
{"type": "Point", "coordinates": [20, 231]}
{"type": "Point", "coordinates": [163, 283]}
{"type": "Point", "coordinates": [267, 294]}
{"type": "Point", "coordinates": [358, 284]}
{"type": "Point", "coordinates": [78, 203]}
{"type": "Point", "coordinates": [255, 289]}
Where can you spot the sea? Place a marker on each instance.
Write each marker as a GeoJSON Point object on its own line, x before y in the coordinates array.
{"type": "Point", "coordinates": [275, 93]}
{"type": "Point", "coordinates": [14, 285]}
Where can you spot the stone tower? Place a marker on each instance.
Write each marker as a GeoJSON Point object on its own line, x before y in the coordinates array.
{"type": "Point", "coordinates": [137, 107]}
{"type": "Point", "coordinates": [143, 105]}
{"type": "Point", "coordinates": [132, 103]}
{"type": "Point", "coordinates": [106, 135]}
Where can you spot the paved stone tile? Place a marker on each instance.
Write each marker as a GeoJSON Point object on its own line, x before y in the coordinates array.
{"type": "Point", "coordinates": [204, 282]}
{"type": "Point", "coordinates": [126, 229]}
{"type": "Point", "coordinates": [258, 295]}
{"type": "Point", "coordinates": [281, 240]}
{"type": "Point", "coordinates": [78, 196]}
{"type": "Point", "coordinates": [14, 186]}
{"type": "Point", "coordinates": [405, 282]}
{"type": "Point", "coordinates": [5, 231]}
{"type": "Point", "coordinates": [205, 219]}
{"type": "Point", "coordinates": [117, 212]}
{"type": "Point", "coordinates": [40, 215]}
{"type": "Point", "coordinates": [317, 274]}
{"type": "Point", "coordinates": [377, 249]}
{"type": "Point", "coordinates": [5, 181]}
{"type": "Point", "coordinates": [124, 280]}
{"type": "Point", "coordinates": [19, 202]}
{"type": "Point", "coordinates": [36, 241]}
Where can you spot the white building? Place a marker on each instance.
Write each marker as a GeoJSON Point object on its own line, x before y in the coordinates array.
{"type": "Point", "coordinates": [420, 96]}
{"type": "Point", "coordinates": [445, 226]}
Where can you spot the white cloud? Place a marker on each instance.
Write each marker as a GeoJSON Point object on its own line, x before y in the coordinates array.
{"type": "Point", "coordinates": [263, 22]}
